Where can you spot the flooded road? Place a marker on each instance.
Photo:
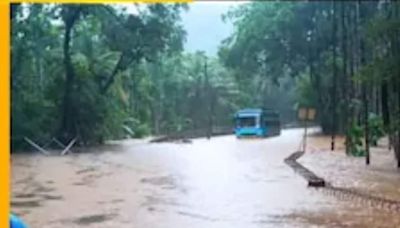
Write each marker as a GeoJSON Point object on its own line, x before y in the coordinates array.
{"type": "Point", "coordinates": [222, 182]}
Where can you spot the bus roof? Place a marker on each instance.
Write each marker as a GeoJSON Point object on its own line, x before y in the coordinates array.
{"type": "Point", "coordinates": [250, 111]}
{"type": "Point", "coordinates": [256, 111]}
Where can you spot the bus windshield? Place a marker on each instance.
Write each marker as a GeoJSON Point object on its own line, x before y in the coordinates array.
{"type": "Point", "coordinates": [246, 121]}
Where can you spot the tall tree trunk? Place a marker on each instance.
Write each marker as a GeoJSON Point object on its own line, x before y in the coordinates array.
{"type": "Point", "coordinates": [352, 65]}
{"type": "Point", "coordinates": [125, 59]}
{"type": "Point", "coordinates": [396, 49]}
{"type": "Point", "coordinates": [67, 119]}
{"type": "Point", "coordinates": [334, 78]}
{"type": "Point", "coordinates": [314, 76]}
{"type": "Point", "coordinates": [385, 104]}
{"type": "Point", "coordinates": [397, 141]}
{"type": "Point", "coordinates": [195, 114]}
{"type": "Point", "coordinates": [159, 103]}
{"type": "Point", "coordinates": [345, 76]}
{"type": "Point", "coordinates": [68, 125]}
{"type": "Point", "coordinates": [357, 59]}
{"type": "Point", "coordinates": [364, 86]}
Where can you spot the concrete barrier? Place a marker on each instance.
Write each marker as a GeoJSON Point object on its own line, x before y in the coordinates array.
{"type": "Point", "coordinates": [312, 179]}
{"type": "Point", "coordinates": [342, 193]}
{"type": "Point", "coordinates": [191, 134]}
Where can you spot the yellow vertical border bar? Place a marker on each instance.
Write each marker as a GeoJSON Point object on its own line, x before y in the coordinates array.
{"type": "Point", "coordinates": [5, 112]}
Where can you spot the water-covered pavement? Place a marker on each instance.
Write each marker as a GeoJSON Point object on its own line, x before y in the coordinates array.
{"type": "Point", "coordinates": [222, 182]}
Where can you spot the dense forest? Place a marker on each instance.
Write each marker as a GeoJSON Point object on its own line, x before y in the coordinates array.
{"type": "Point", "coordinates": [96, 72]}
{"type": "Point", "coordinates": [345, 55]}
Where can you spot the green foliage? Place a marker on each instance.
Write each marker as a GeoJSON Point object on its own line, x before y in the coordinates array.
{"type": "Point", "coordinates": [376, 129]}
{"type": "Point", "coordinates": [129, 78]}
{"type": "Point", "coordinates": [305, 94]}
{"type": "Point", "coordinates": [355, 141]}
{"type": "Point", "coordinates": [356, 135]}
{"type": "Point", "coordinates": [134, 128]}
{"type": "Point", "coordinates": [107, 50]}
{"type": "Point", "coordinates": [394, 128]}
{"type": "Point", "coordinates": [279, 39]}
{"type": "Point", "coordinates": [270, 43]}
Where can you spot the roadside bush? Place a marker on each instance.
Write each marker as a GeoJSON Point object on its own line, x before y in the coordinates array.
{"type": "Point", "coordinates": [376, 129]}
{"type": "Point", "coordinates": [355, 141]}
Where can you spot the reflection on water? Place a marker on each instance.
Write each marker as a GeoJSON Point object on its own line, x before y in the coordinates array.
{"type": "Point", "coordinates": [222, 182]}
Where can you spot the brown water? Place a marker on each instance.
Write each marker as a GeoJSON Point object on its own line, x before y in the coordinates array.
{"type": "Point", "coordinates": [222, 182]}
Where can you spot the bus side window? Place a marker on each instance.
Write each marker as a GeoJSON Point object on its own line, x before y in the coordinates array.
{"type": "Point", "coordinates": [262, 121]}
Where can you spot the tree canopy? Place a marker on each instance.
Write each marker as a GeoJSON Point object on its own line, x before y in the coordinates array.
{"type": "Point", "coordinates": [342, 54]}
{"type": "Point", "coordinates": [97, 72]}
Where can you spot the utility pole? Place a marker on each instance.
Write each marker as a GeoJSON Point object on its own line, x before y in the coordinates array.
{"type": "Point", "coordinates": [305, 134]}
{"type": "Point", "coordinates": [208, 101]}
{"type": "Point", "coordinates": [347, 119]}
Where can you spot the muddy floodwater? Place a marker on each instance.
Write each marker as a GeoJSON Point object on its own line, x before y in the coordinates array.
{"type": "Point", "coordinates": [223, 182]}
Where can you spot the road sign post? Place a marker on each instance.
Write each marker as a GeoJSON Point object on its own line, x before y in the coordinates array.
{"type": "Point", "coordinates": [306, 114]}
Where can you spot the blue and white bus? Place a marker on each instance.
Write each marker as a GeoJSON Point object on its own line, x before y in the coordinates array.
{"type": "Point", "coordinates": [257, 122]}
